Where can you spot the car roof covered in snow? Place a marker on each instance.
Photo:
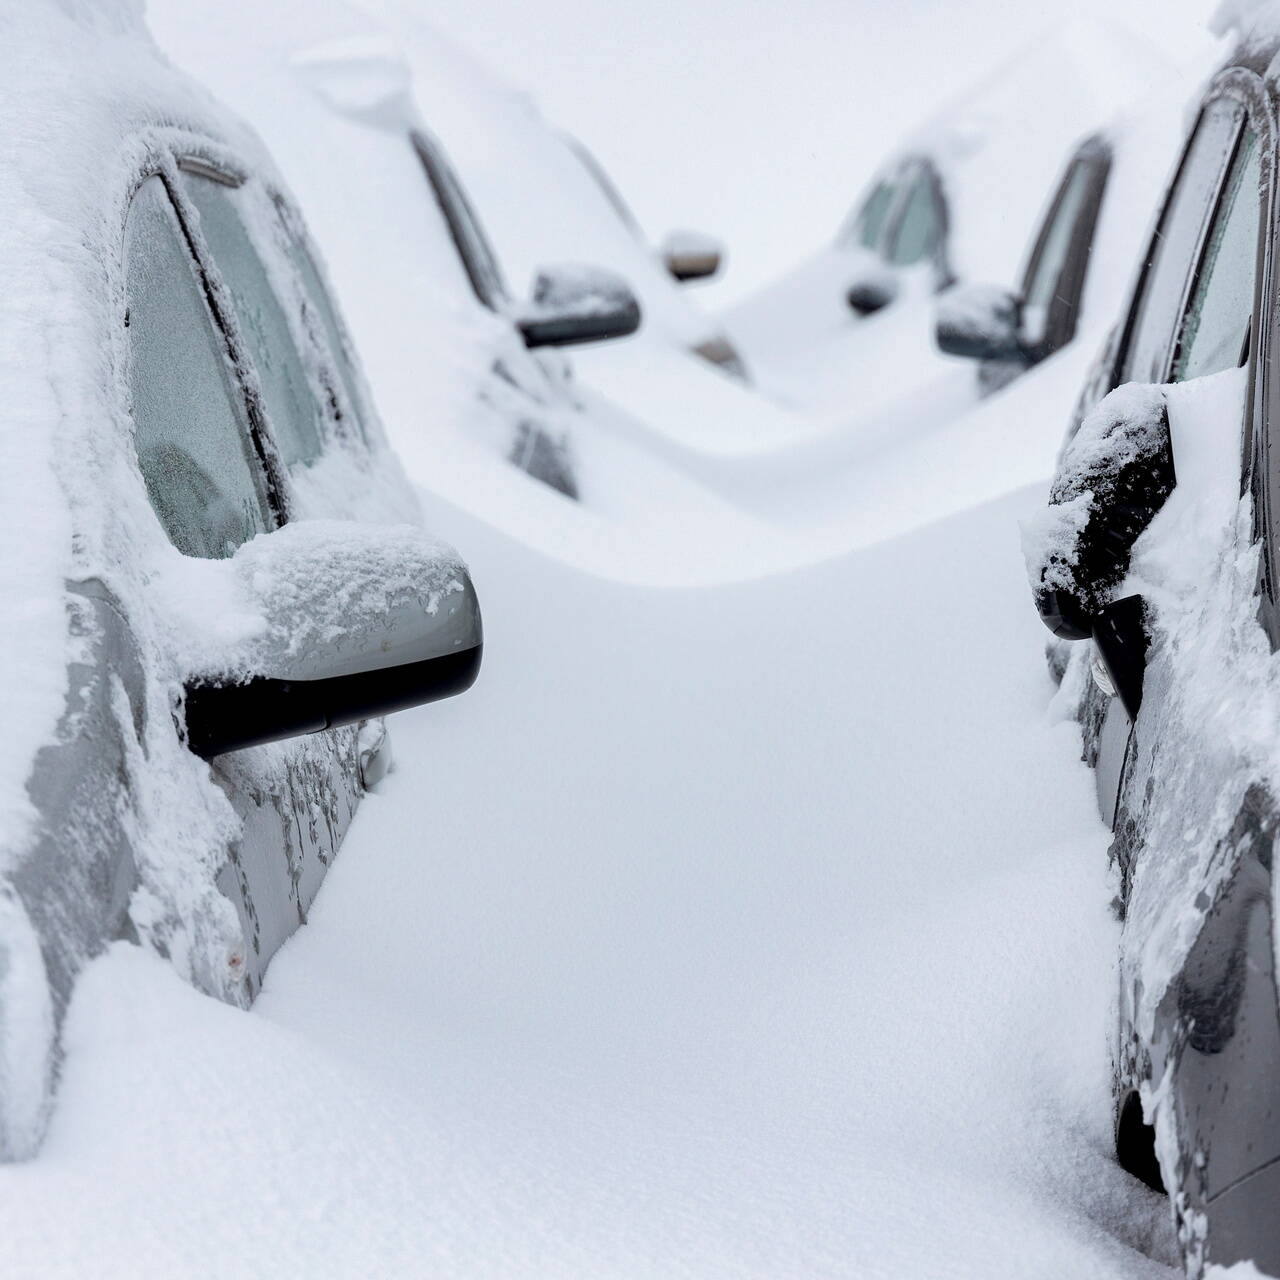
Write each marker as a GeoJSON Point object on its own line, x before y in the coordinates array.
{"type": "Point", "coordinates": [1000, 145]}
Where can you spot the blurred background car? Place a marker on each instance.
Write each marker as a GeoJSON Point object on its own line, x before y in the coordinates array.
{"type": "Point", "coordinates": [955, 202]}
{"type": "Point", "coordinates": [1078, 267]}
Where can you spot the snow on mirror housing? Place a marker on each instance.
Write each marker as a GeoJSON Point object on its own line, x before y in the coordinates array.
{"type": "Point", "coordinates": [334, 622]}
{"type": "Point", "coordinates": [1113, 477]}
{"type": "Point", "coordinates": [980, 322]}
{"type": "Point", "coordinates": [572, 304]}
{"type": "Point", "coordinates": [691, 255]}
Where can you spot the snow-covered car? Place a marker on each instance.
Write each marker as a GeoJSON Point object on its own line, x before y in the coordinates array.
{"type": "Point", "coordinates": [1157, 557]}
{"type": "Point", "coordinates": [461, 392]}
{"type": "Point", "coordinates": [214, 572]}
{"type": "Point", "coordinates": [568, 305]}
{"type": "Point", "coordinates": [953, 203]}
{"type": "Point", "coordinates": [411, 249]}
{"type": "Point", "coordinates": [542, 198]}
{"type": "Point", "coordinates": [686, 255]}
{"type": "Point", "coordinates": [1009, 331]}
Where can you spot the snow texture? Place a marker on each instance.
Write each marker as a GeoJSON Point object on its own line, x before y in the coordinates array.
{"type": "Point", "coordinates": [287, 596]}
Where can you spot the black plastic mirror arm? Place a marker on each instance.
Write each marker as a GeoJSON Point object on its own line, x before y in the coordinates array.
{"type": "Point", "coordinates": [1120, 636]}
{"type": "Point", "coordinates": [569, 330]}
{"type": "Point", "coordinates": [221, 718]}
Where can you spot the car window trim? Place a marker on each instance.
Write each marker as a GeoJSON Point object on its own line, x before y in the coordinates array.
{"type": "Point", "coordinates": [263, 446]}
{"type": "Point", "coordinates": [1095, 157]}
{"type": "Point", "coordinates": [1227, 86]}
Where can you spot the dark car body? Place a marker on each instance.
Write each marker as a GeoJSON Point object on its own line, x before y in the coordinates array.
{"type": "Point", "coordinates": [1194, 815]}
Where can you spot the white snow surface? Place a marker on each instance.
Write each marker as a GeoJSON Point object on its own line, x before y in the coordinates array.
{"type": "Point", "coordinates": [684, 979]}
{"type": "Point", "coordinates": [760, 928]}
{"type": "Point", "coordinates": [745, 930]}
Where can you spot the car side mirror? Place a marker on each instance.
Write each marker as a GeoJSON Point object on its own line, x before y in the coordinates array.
{"type": "Point", "coordinates": [691, 255]}
{"type": "Point", "coordinates": [1113, 477]}
{"type": "Point", "coordinates": [872, 291]}
{"type": "Point", "coordinates": [334, 622]}
{"type": "Point", "coordinates": [979, 321]}
{"type": "Point", "coordinates": [572, 304]}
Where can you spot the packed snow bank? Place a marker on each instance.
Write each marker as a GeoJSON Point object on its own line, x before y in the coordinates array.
{"type": "Point", "coordinates": [645, 964]}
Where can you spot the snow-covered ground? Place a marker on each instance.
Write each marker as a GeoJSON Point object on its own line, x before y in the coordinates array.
{"type": "Point", "coordinates": [758, 929]}
{"type": "Point", "coordinates": [750, 916]}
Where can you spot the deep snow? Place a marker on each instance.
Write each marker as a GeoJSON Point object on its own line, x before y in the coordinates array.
{"type": "Point", "coordinates": [747, 930]}
{"type": "Point", "coordinates": [760, 928]}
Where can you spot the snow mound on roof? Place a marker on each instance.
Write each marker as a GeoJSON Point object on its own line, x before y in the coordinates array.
{"type": "Point", "coordinates": [1246, 18]}
{"type": "Point", "coordinates": [1001, 145]}
{"type": "Point", "coordinates": [362, 76]}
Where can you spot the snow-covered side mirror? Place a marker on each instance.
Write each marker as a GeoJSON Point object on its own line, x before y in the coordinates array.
{"type": "Point", "coordinates": [691, 255]}
{"type": "Point", "coordinates": [1113, 477]}
{"type": "Point", "coordinates": [980, 321]}
{"type": "Point", "coordinates": [572, 303]}
{"type": "Point", "coordinates": [319, 624]}
{"type": "Point", "coordinates": [874, 289]}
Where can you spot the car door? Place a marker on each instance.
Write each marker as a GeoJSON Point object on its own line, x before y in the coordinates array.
{"type": "Point", "coordinates": [539, 380]}
{"type": "Point", "coordinates": [1053, 279]}
{"type": "Point", "coordinates": [1159, 341]}
{"type": "Point", "coordinates": [207, 329]}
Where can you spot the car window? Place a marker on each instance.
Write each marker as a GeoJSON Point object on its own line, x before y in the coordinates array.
{"type": "Point", "coordinates": [191, 431]}
{"type": "Point", "coordinates": [919, 226]}
{"type": "Point", "coordinates": [871, 218]}
{"type": "Point", "coordinates": [293, 412]}
{"type": "Point", "coordinates": [1174, 246]}
{"type": "Point", "coordinates": [478, 259]}
{"type": "Point", "coordinates": [1215, 328]}
{"type": "Point", "coordinates": [1045, 275]}
{"type": "Point", "coordinates": [333, 335]}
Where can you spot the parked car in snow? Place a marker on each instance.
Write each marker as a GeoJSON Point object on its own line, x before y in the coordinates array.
{"type": "Point", "coordinates": [1157, 556]}
{"type": "Point", "coordinates": [568, 305]}
{"type": "Point", "coordinates": [459, 359]}
{"type": "Point", "coordinates": [1010, 331]}
{"type": "Point", "coordinates": [685, 255]}
{"type": "Point", "coordinates": [212, 557]}
{"type": "Point", "coordinates": [953, 203]}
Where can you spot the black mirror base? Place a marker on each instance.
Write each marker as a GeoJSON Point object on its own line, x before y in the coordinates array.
{"type": "Point", "coordinates": [222, 718]}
